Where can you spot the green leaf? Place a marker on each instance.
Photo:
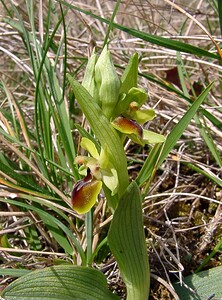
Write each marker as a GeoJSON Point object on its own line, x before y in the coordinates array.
{"type": "Point", "coordinates": [14, 272]}
{"type": "Point", "coordinates": [204, 171]}
{"type": "Point", "coordinates": [217, 122]}
{"type": "Point", "coordinates": [57, 233]}
{"type": "Point", "coordinates": [104, 131]}
{"type": "Point", "coordinates": [51, 219]}
{"type": "Point", "coordinates": [180, 127]}
{"type": "Point", "coordinates": [219, 2]}
{"type": "Point", "coordinates": [60, 282]}
{"type": "Point", "coordinates": [204, 285]}
{"type": "Point", "coordinates": [127, 242]}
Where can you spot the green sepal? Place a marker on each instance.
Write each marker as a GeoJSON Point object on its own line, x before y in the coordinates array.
{"type": "Point", "coordinates": [108, 173]}
{"type": "Point", "coordinates": [110, 179]}
{"type": "Point", "coordinates": [130, 74]}
{"type": "Point", "coordinates": [150, 137]}
{"type": "Point", "coordinates": [137, 95]}
{"type": "Point", "coordinates": [89, 75]}
{"type": "Point", "coordinates": [108, 83]}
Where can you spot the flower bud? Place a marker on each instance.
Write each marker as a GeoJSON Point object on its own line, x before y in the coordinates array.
{"type": "Point", "coordinates": [107, 82]}
{"type": "Point", "coordinates": [89, 76]}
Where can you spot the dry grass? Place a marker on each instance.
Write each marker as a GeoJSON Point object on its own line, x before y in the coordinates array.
{"type": "Point", "coordinates": [182, 218]}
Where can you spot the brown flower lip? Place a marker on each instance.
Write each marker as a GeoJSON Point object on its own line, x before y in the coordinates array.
{"type": "Point", "coordinates": [128, 126]}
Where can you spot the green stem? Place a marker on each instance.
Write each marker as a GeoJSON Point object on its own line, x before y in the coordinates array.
{"type": "Point", "coordinates": [89, 235]}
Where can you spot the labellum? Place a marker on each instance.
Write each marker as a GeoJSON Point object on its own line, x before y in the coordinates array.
{"type": "Point", "coordinates": [85, 193]}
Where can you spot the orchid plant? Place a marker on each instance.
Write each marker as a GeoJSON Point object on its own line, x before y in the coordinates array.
{"type": "Point", "coordinates": [119, 102]}
{"type": "Point", "coordinates": [114, 109]}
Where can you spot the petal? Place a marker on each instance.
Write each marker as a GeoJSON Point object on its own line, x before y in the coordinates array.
{"type": "Point", "coordinates": [127, 126]}
{"type": "Point", "coordinates": [137, 95]}
{"type": "Point", "coordinates": [94, 167]}
{"type": "Point", "coordinates": [81, 160]}
{"type": "Point", "coordinates": [110, 179]}
{"type": "Point", "coordinates": [90, 147]}
{"type": "Point", "coordinates": [104, 159]}
{"type": "Point", "coordinates": [84, 195]}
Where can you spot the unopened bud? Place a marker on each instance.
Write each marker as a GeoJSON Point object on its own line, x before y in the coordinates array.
{"type": "Point", "coordinates": [89, 76]}
{"type": "Point", "coordinates": [107, 82]}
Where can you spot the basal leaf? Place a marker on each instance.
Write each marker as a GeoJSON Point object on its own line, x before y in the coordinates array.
{"type": "Point", "coordinates": [60, 282]}
{"type": "Point", "coordinates": [127, 242]}
{"type": "Point", "coordinates": [203, 285]}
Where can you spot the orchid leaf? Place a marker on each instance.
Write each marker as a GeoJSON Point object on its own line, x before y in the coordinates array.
{"type": "Point", "coordinates": [60, 282]}
{"type": "Point", "coordinates": [127, 242]}
{"type": "Point", "coordinates": [203, 285]}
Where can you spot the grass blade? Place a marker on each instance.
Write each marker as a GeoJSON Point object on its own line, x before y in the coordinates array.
{"type": "Point", "coordinates": [51, 219]}
{"type": "Point", "coordinates": [157, 40]}
{"type": "Point", "coordinates": [219, 3]}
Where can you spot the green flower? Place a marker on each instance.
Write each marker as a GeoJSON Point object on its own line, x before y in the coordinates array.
{"type": "Point", "coordinates": [131, 116]}
{"type": "Point", "coordinates": [121, 103]}
{"type": "Point", "coordinates": [97, 171]}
